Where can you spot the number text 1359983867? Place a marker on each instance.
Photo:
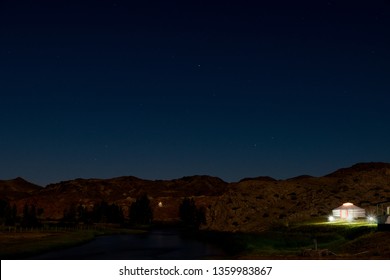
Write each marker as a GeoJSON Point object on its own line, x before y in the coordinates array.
{"type": "Point", "coordinates": [241, 270]}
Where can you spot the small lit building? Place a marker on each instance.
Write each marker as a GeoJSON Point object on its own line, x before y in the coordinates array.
{"type": "Point", "coordinates": [348, 211]}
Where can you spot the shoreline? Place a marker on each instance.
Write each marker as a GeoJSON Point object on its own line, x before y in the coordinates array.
{"type": "Point", "coordinates": [335, 241]}
{"type": "Point", "coordinates": [21, 245]}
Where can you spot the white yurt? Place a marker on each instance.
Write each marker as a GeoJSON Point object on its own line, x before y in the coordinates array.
{"type": "Point", "coordinates": [348, 211]}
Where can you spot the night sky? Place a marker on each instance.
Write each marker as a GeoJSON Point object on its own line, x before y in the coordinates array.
{"type": "Point", "coordinates": [165, 89]}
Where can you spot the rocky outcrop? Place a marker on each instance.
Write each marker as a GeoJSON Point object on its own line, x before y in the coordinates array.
{"type": "Point", "coordinates": [255, 205]}
{"type": "Point", "coordinates": [55, 198]}
{"type": "Point", "coordinates": [17, 188]}
{"type": "Point", "coordinates": [250, 205]}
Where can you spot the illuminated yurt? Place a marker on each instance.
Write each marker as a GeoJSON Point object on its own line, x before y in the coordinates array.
{"type": "Point", "coordinates": [348, 211]}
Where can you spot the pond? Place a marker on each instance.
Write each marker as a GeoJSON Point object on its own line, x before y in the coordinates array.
{"type": "Point", "coordinates": [156, 244]}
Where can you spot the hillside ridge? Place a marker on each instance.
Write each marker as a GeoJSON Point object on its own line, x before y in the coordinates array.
{"type": "Point", "coordinates": [250, 205]}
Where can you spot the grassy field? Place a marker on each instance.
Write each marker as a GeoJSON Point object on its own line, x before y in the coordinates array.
{"type": "Point", "coordinates": [20, 245]}
{"type": "Point", "coordinates": [317, 240]}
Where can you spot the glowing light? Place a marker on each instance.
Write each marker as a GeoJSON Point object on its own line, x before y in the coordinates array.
{"type": "Point", "coordinates": [331, 219]}
{"type": "Point", "coordinates": [347, 204]}
{"type": "Point", "coordinates": [160, 204]}
{"type": "Point", "coordinates": [371, 219]}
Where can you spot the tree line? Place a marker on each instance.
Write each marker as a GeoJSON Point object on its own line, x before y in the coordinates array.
{"type": "Point", "coordinates": [102, 212]}
{"type": "Point", "coordinates": [140, 213]}
{"type": "Point", "coordinates": [9, 215]}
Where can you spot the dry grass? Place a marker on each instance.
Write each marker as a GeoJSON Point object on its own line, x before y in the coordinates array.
{"type": "Point", "coordinates": [338, 240]}
{"type": "Point", "coordinates": [21, 245]}
{"type": "Point", "coordinates": [18, 245]}
{"type": "Point", "coordinates": [375, 245]}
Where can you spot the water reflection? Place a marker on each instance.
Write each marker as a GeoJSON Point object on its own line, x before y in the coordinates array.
{"type": "Point", "coordinates": [157, 244]}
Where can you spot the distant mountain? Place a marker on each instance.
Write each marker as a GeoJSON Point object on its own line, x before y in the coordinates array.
{"type": "Point", "coordinates": [17, 188]}
{"type": "Point", "coordinates": [250, 205]}
{"type": "Point", "coordinates": [260, 178]}
{"type": "Point", "coordinates": [301, 177]}
{"type": "Point", "coordinates": [360, 168]}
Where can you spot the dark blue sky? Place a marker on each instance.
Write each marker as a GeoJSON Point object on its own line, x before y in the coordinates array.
{"type": "Point", "coordinates": [165, 89]}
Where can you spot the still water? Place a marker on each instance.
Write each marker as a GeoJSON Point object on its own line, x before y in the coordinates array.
{"type": "Point", "coordinates": [157, 244]}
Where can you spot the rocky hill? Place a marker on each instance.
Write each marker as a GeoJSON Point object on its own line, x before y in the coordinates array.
{"type": "Point", "coordinates": [55, 198]}
{"type": "Point", "coordinates": [253, 205]}
{"type": "Point", "coordinates": [17, 188]}
{"type": "Point", "coordinates": [250, 205]}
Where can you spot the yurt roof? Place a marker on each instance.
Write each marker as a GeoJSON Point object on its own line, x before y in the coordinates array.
{"type": "Point", "coordinates": [348, 205]}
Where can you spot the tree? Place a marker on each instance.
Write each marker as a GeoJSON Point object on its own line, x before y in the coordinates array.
{"type": "Point", "coordinates": [140, 211]}
{"type": "Point", "coordinates": [102, 212]}
{"type": "Point", "coordinates": [3, 206]}
{"type": "Point", "coordinates": [115, 214]}
{"type": "Point", "coordinates": [190, 215]}
{"type": "Point", "coordinates": [10, 218]}
{"type": "Point", "coordinates": [70, 214]}
{"type": "Point", "coordinates": [7, 213]}
{"type": "Point", "coordinates": [83, 215]}
{"type": "Point", "coordinates": [33, 215]}
{"type": "Point", "coordinates": [29, 218]}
